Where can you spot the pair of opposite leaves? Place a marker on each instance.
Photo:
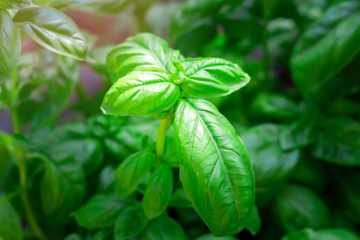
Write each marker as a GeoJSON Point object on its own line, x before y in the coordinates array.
{"type": "Point", "coordinates": [150, 78]}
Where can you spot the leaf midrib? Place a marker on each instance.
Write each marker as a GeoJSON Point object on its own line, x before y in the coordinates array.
{"type": "Point", "coordinates": [220, 156]}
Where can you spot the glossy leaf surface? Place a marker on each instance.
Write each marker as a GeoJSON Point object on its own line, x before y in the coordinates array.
{"type": "Point", "coordinates": [216, 171]}
{"type": "Point", "coordinates": [158, 191]}
{"type": "Point", "coordinates": [211, 77]}
{"type": "Point", "coordinates": [143, 52]}
{"type": "Point", "coordinates": [10, 46]}
{"type": "Point", "coordinates": [132, 171]}
{"type": "Point", "coordinates": [141, 93]}
{"type": "Point", "coordinates": [52, 30]}
{"type": "Point", "coordinates": [327, 46]}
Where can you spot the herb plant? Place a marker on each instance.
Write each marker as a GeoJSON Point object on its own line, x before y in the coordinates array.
{"type": "Point", "coordinates": [215, 169]}
{"type": "Point", "coordinates": [176, 142]}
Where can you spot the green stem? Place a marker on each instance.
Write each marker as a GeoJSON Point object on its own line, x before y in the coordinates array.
{"type": "Point", "coordinates": [160, 141]}
{"type": "Point", "coordinates": [10, 97]}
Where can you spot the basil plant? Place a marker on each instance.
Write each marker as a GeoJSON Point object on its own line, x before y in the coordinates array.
{"type": "Point", "coordinates": [152, 79]}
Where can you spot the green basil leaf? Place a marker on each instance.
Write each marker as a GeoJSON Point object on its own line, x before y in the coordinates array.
{"type": "Point", "coordinates": [10, 227]}
{"type": "Point", "coordinates": [105, 6]}
{"type": "Point", "coordinates": [338, 141]}
{"type": "Point", "coordinates": [275, 106]}
{"type": "Point", "coordinates": [158, 191]}
{"type": "Point", "coordinates": [101, 210]}
{"type": "Point", "coordinates": [141, 93]}
{"type": "Point", "coordinates": [87, 152]}
{"type": "Point", "coordinates": [143, 52]}
{"type": "Point", "coordinates": [327, 46]}
{"type": "Point", "coordinates": [211, 77]}
{"type": "Point", "coordinates": [52, 30]}
{"type": "Point", "coordinates": [132, 171]}
{"type": "Point", "coordinates": [296, 207]}
{"type": "Point", "coordinates": [131, 222]}
{"type": "Point", "coordinates": [326, 234]}
{"type": "Point", "coordinates": [216, 171]}
{"type": "Point", "coordinates": [10, 46]}
{"type": "Point", "coordinates": [164, 228]}
{"type": "Point", "coordinates": [62, 187]}
{"type": "Point", "coordinates": [272, 165]}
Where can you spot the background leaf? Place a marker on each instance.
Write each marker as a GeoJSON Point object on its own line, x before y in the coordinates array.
{"type": "Point", "coordinates": [338, 142]}
{"type": "Point", "coordinates": [327, 46]}
{"type": "Point", "coordinates": [297, 207]}
{"type": "Point", "coordinates": [63, 186]}
{"type": "Point", "coordinates": [131, 222]}
{"type": "Point", "coordinates": [271, 164]}
{"type": "Point", "coordinates": [158, 191]}
{"type": "Point", "coordinates": [52, 30]}
{"type": "Point", "coordinates": [132, 171]}
{"type": "Point", "coordinates": [100, 211]}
